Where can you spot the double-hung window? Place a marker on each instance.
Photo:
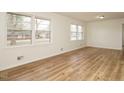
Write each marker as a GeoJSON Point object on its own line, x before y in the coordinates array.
{"type": "Point", "coordinates": [19, 30]}
{"type": "Point", "coordinates": [76, 32]}
{"type": "Point", "coordinates": [42, 28]}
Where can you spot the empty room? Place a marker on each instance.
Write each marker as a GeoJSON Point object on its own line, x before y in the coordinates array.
{"type": "Point", "coordinates": [61, 46]}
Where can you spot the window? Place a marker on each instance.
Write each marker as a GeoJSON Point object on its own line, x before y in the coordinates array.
{"type": "Point", "coordinates": [19, 30]}
{"type": "Point", "coordinates": [42, 28]}
{"type": "Point", "coordinates": [76, 32]}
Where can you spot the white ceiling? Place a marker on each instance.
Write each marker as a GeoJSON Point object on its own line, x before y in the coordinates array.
{"type": "Point", "coordinates": [91, 16]}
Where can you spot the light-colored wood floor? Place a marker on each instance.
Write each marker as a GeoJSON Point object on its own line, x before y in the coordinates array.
{"type": "Point", "coordinates": [83, 64]}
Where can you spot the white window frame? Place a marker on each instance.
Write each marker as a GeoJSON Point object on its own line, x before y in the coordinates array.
{"type": "Point", "coordinates": [7, 29]}
{"type": "Point", "coordinates": [38, 41]}
{"type": "Point", "coordinates": [33, 31]}
{"type": "Point", "coordinates": [77, 32]}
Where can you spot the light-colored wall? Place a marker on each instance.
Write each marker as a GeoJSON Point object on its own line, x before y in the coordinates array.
{"type": "Point", "coordinates": [60, 27]}
{"type": "Point", "coordinates": [123, 35]}
{"type": "Point", "coordinates": [105, 34]}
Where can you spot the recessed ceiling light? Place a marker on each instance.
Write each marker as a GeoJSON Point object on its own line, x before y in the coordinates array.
{"type": "Point", "coordinates": [100, 17]}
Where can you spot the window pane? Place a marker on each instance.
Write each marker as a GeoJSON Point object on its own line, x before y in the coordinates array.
{"type": "Point", "coordinates": [76, 32]}
{"type": "Point", "coordinates": [73, 28]}
{"type": "Point", "coordinates": [18, 37]}
{"type": "Point", "coordinates": [79, 36]}
{"type": "Point", "coordinates": [42, 35]}
{"type": "Point", "coordinates": [73, 38]}
{"type": "Point", "coordinates": [73, 34]}
{"type": "Point", "coordinates": [79, 28]}
{"type": "Point", "coordinates": [42, 28]}
{"type": "Point", "coordinates": [19, 22]}
{"type": "Point", "coordinates": [42, 24]}
{"type": "Point", "coordinates": [19, 30]}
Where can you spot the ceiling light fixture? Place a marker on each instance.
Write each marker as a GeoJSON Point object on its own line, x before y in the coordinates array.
{"type": "Point", "coordinates": [100, 17]}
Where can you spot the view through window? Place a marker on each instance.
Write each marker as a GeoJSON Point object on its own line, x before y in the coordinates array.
{"type": "Point", "coordinates": [76, 32]}
{"type": "Point", "coordinates": [18, 30]}
{"type": "Point", "coordinates": [42, 28]}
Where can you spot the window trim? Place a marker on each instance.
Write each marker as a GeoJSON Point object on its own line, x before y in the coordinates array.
{"type": "Point", "coordinates": [33, 39]}
{"type": "Point", "coordinates": [77, 32]}
{"type": "Point", "coordinates": [7, 30]}
{"type": "Point", "coordinates": [50, 38]}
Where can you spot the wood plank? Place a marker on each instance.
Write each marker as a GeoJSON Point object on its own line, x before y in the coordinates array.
{"type": "Point", "coordinates": [83, 64]}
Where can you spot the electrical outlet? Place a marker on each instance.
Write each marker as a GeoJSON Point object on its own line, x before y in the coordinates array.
{"type": "Point", "coordinates": [20, 57]}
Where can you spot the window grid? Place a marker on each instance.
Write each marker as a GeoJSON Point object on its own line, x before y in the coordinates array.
{"type": "Point", "coordinates": [42, 28]}
{"type": "Point", "coordinates": [78, 33]}
{"type": "Point", "coordinates": [17, 33]}
{"type": "Point", "coordinates": [28, 27]}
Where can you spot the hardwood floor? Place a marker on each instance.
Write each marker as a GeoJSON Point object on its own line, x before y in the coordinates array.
{"type": "Point", "coordinates": [83, 64]}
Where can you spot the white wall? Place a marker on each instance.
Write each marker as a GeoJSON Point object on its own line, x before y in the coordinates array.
{"type": "Point", "coordinates": [105, 34]}
{"type": "Point", "coordinates": [123, 35]}
{"type": "Point", "coordinates": [60, 27]}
